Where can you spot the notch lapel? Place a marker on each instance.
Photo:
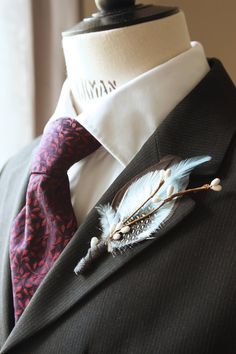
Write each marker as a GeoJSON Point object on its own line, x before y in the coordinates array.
{"type": "Point", "coordinates": [185, 132]}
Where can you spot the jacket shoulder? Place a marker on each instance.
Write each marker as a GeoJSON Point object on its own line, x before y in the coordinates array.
{"type": "Point", "coordinates": [13, 182]}
{"type": "Point", "coordinates": [19, 160]}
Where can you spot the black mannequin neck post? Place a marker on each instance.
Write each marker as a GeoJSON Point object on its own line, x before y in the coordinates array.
{"type": "Point", "coordinates": [120, 13]}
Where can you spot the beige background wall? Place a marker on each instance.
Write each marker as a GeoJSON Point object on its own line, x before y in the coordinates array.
{"type": "Point", "coordinates": [212, 22]}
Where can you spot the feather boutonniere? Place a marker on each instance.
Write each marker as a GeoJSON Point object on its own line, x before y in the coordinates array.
{"type": "Point", "coordinates": [143, 207]}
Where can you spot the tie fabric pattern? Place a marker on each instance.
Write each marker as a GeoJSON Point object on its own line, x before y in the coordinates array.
{"type": "Point", "coordinates": [47, 222]}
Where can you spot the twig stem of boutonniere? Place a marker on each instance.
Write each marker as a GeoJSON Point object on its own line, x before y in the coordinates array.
{"type": "Point", "coordinates": [215, 185]}
{"type": "Point", "coordinates": [145, 202]}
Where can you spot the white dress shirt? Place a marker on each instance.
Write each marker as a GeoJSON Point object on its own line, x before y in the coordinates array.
{"type": "Point", "coordinates": [123, 120]}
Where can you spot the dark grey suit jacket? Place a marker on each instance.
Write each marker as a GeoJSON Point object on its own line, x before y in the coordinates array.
{"type": "Point", "coordinates": [174, 294]}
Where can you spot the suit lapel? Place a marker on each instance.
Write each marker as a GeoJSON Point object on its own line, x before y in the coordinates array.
{"type": "Point", "coordinates": [177, 135]}
{"type": "Point", "coordinates": [203, 123]}
{"type": "Point", "coordinates": [61, 287]}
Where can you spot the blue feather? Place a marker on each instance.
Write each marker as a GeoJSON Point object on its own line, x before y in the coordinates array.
{"type": "Point", "coordinates": [140, 191]}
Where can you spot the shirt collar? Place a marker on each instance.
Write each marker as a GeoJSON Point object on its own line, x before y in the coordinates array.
{"type": "Point", "coordinates": [123, 120]}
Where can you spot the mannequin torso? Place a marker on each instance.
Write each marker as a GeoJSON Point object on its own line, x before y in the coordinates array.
{"type": "Point", "coordinates": [99, 62]}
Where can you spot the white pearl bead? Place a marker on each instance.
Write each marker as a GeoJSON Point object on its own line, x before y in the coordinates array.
{"type": "Point", "coordinates": [217, 188]}
{"type": "Point", "coordinates": [215, 182]}
{"type": "Point", "coordinates": [167, 173]}
{"type": "Point", "coordinates": [112, 228]}
{"type": "Point", "coordinates": [119, 225]}
{"type": "Point", "coordinates": [170, 190]}
{"type": "Point", "coordinates": [94, 241]}
{"type": "Point", "coordinates": [125, 229]}
{"type": "Point", "coordinates": [162, 174]}
{"type": "Point", "coordinates": [116, 236]}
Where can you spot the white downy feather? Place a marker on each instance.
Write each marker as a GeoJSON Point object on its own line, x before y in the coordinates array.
{"type": "Point", "coordinates": [108, 217]}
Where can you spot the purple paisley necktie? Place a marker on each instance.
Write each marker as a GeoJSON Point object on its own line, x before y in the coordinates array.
{"type": "Point", "coordinates": [47, 222]}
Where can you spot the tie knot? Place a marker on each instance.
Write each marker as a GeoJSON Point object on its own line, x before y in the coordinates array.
{"type": "Point", "coordinates": [64, 143]}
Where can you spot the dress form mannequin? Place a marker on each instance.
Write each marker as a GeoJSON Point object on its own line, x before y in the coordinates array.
{"type": "Point", "coordinates": [101, 60]}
